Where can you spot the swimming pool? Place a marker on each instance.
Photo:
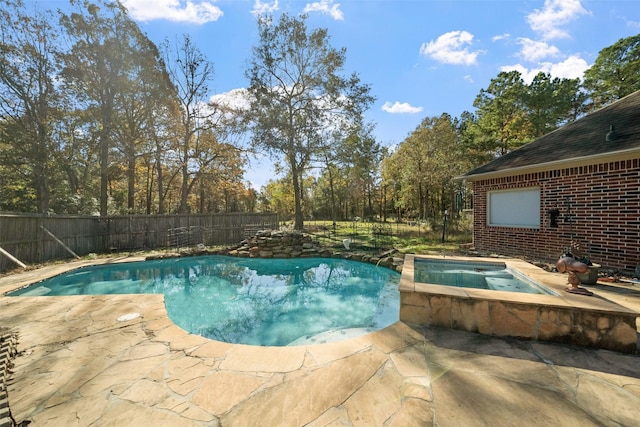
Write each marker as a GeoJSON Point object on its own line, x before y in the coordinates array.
{"type": "Point", "coordinates": [255, 301]}
{"type": "Point", "coordinates": [478, 275]}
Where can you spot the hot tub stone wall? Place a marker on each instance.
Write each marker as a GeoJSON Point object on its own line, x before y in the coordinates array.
{"type": "Point", "coordinates": [597, 329]}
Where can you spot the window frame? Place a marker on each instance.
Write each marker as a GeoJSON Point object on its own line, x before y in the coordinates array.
{"type": "Point", "coordinates": [517, 207]}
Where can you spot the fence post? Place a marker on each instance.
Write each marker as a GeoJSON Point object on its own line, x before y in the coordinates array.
{"type": "Point", "coordinates": [12, 258]}
{"type": "Point", "coordinates": [60, 241]}
{"type": "Point", "coordinates": [40, 253]}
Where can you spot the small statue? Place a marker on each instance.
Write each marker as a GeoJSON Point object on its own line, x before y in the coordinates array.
{"type": "Point", "coordinates": [571, 266]}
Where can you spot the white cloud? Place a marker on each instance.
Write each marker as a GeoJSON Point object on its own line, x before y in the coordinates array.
{"type": "Point", "coordinates": [468, 78]}
{"type": "Point", "coordinates": [235, 99]}
{"type": "Point", "coordinates": [450, 48]}
{"type": "Point", "coordinates": [533, 50]}
{"type": "Point", "coordinates": [173, 10]}
{"type": "Point", "coordinates": [261, 8]}
{"type": "Point", "coordinates": [499, 37]}
{"type": "Point", "coordinates": [527, 75]}
{"type": "Point", "coordinates": [554, 14]}
{"type": "Point", "coordinates": [325, 6]}
{"type": "Point", "coordinates": [571, 68]}
{"type": "Point", "coordinates": [633, 24]}
{"type": "Point", "coordinates": [400, 108]}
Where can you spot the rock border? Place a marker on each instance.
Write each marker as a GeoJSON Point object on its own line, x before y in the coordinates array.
{"type": "Point", "coordinates": [294, 244]}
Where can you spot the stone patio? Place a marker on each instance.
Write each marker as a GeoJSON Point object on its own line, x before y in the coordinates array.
{"type": "Point", "coordinates": [83, 361]}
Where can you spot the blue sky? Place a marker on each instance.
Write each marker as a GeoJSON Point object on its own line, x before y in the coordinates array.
{"type": "Point", "coordinates": [421, 57]}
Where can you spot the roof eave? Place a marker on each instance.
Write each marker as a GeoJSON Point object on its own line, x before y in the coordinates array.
{"type": "Point", "coordinates": [558, 164]}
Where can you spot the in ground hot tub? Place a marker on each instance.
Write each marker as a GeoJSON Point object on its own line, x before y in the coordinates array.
{"type": "Point", "coordinates": [550, 315]}
{"type": "Point", "coordinates": [495, 276]}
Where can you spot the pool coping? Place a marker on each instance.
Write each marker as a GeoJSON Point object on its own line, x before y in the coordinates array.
{"type": "Point", "coordinates": [591, 321]}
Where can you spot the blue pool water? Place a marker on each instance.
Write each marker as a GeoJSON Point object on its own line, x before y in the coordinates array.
{"type": "Point", "coordinates": [250, 300]}
{"type": "Point", "coordinates": [478, 275]}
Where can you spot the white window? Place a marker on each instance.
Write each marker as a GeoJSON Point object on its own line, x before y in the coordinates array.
{"type": "Point", "coordinates": [514, 208]}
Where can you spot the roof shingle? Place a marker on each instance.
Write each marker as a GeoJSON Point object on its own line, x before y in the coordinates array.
{"type": "Point", "coordinates": [582, 138]}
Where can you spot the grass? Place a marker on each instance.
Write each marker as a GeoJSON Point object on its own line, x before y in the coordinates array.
{"type": "Point", "coordinates": [420, 238]}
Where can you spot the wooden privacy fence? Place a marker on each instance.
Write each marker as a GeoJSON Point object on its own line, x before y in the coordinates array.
{"type": "Point", "coordinates": [37, 238]}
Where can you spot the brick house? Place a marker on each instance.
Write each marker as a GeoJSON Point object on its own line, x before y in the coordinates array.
{"type": "Point", "coordinates": [578, 186]}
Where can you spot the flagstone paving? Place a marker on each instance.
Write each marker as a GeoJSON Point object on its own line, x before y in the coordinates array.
{"type": "Point", "coordinates": [83, 361]}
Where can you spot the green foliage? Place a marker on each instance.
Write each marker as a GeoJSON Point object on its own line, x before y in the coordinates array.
{"type": "Point", "coordinates": [419, 174]}
{"type": "Point", "coordinates": [88, 113]}
{"type": "Point", "coordinates": [549, 102]}
{"type": "Point", "coordinates": [501, 124]}
{"type": "Point", "coordinates": [298, 94]}
{"type": "Point", "coordinates": [30, 99]}
{"type": "Point", "coordinates": [510, 113]}
{"type": "Point", "coordinates": [104, 66]}
{"type": "Point", "coordinates": [615, 73]}
{"type": "Point", "coordinates": [349, 183]}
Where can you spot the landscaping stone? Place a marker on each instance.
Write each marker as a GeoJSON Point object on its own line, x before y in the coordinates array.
{"type": "Point", "coordinates": [296, 244]}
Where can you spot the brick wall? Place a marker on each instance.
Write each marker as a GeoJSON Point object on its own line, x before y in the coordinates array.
{"type": "Point", "coordinates": [604, 202]}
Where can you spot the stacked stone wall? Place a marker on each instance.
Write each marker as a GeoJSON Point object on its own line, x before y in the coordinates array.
{"type": "Point", "coordinates": [277, 244]}
{"type": "Point", "coordinates": [295, 244]}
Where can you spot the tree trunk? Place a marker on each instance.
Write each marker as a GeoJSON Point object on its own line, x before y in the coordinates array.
{"type": "Point", "coordinates": [104, 165]}
{"type": "Point", "coordinates": [297, 196]}
{"type": "Point", "coordinates": [149, 188]}
{"type": "Point", "coordinates": [41, 171]}
{"type": "Point", "coordinates": [105, 145]}
{"type": "Point", "coordinates": [184, 189]}
{"type": "Point", "coordinates": [333, 200]}
{"type": "Point", "coordinates": [131, 182]}
{"type": "Point", "coordinates": [160, 181]}
{"type": "Point", "coordinates": [370, 200]}
{"type": "Point", "coordinates": [42, 188]}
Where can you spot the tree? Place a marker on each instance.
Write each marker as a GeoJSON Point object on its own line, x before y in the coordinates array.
{"type": "Point", "coordinates": [350, 162]}
{"type": "Point", "coordinates": [136, 112]}
{"type": "Point", "coordinates": [500, 124]}
{"type": "Point", "coordinates": [360, 156]}
{"type": "Point", "coordinates": [615, 73]}
{"type": "Point", "coordinates": [163, 136]}
{"type": "Point", "coordinates": [297, 94]}
{"type": "Point", "coordinates": [29, 97]}
{"type": "Point", "coordinates": [550, 102]}
{"type": "Point", "coordinates": [419, 174]}
{"type": "Point", "coordinates": [190, 73]}
{"type": "Point", "coordinates": [467, 129]}
{"type": "Point", "coordinates": [99, 68]}
{"type": "Point", "coordinates": [280, 197]}
{"type": "Point", "coordinates": [392, 182]}
{"type": "Point", "coordinates": [79, 155]}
